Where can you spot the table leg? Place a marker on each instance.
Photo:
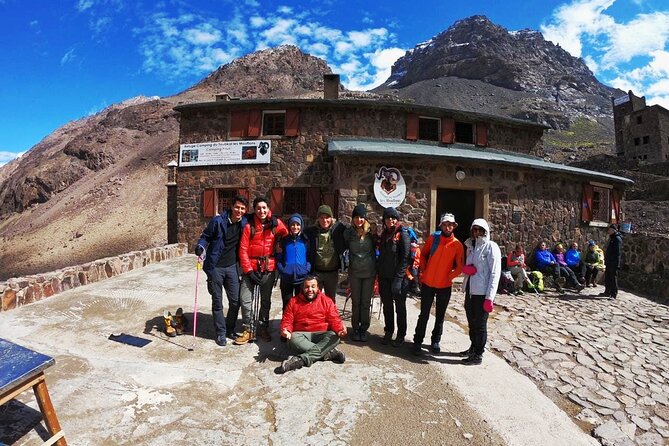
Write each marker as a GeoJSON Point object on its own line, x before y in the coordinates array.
{"type": "Point", "coordinates": [48, 412]}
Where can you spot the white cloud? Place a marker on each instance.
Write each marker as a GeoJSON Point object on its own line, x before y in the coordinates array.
{"type": "Point", "coordinates": [68, 57]}
{"type": "Point", "coordinates": [645, 34]}
{"type": "Point", "coordinates": [6, 156]}
{"type": "Point", "coordinates": [83, 5]}
{"type": "Point", "coordinates": [257, 21]}
{"type": "Point", "coordinates": [203, 35]}
{"type": "Point", "coordinates": [287, 10]}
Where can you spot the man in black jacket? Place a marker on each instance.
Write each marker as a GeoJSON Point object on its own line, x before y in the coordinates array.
{"type": "Point", "coordinates": [612, 261]}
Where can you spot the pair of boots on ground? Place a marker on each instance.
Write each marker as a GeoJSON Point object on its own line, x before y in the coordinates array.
{"type": "Point", "coordinates": [175, 324]}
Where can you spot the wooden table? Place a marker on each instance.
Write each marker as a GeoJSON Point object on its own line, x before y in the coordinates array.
{"type": "Point", "coordinates": [21, 369]}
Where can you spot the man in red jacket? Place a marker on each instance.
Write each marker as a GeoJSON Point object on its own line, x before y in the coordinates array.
{"type": "Point", "coordinates": [312, 326]}
{"type": "Point", "coordinates": [256, 258]}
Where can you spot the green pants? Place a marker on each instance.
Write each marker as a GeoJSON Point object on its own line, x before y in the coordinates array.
{"type": "Point", "coordinates": [312, 346]}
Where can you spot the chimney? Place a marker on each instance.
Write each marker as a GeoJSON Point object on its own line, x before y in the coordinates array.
{"type": "Point", "coordinates": [222, 97]}
{"type": "Point", "coordinates": [330, 86]}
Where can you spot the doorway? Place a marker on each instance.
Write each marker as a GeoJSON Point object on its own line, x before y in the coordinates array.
{"type": "Point", "coordinates": [462, 204]}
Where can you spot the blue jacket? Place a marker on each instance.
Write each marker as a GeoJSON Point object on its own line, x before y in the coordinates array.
{"type": "Point", "coordinates": [293, 259]}
{"type": "Point", "coordinates": [543, 258]}
{"type": "Point", "coordinates": [213, 238]}
{"type": "Point", "coordinates": [572, 257]}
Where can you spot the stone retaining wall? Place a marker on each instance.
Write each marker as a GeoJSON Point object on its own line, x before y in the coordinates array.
{"type": "Point", "coordinates": [645, 263]}
{"type": "Point", "coordinates": [20, 291]}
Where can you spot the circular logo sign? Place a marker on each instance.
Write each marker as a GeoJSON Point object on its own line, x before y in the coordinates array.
{"type": "Point", "coordinates": [389, 187]}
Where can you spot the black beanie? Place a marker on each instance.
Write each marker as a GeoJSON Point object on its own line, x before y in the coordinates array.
{"type": "Point", "coordinates": [391, 212]}
{"type": "Point", "coordinates": [360, 211]}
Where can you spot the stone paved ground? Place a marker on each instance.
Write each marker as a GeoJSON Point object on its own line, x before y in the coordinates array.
{"type": "Point", "coordinates": [604, 361]}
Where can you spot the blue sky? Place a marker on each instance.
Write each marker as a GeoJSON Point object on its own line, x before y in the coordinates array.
{"type": "Point", "coordinates": [64, 60]}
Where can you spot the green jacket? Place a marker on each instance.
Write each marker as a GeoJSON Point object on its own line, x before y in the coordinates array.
{"type": "Point", "coordinates": [361, 253]}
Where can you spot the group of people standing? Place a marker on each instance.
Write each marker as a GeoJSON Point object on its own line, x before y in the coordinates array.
{"type": "Point", "coordinates": [246, 251]}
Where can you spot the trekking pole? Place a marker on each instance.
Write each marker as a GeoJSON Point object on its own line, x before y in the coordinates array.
{"type": "Point", "coordinates": [255, 311]}
{"type": "Point", "coordinates": [198, 267]}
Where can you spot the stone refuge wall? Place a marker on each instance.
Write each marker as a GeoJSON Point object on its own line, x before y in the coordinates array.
{"type": "Point", "coordinates": [20, 291]}
{"type": "Point", "coordinates": [645, 265]}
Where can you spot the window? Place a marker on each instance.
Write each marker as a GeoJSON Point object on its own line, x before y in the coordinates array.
{"type": "Point", "coordinates": [637, 141]}
{"type": "Point", "coordinates": [225, 197]}
{"type": "Point", "coordinates": [273, 122]}
{"type": "Point", "coordinates": [215, 201]}
{"type": "Point", "coordinates": [600, 204]}
{"type": "Point", "coordinates": [295, 200]}
{"type": "Point", "coordinates": [428, 128]}
{"type": "Point", "coordinates": [464, 132]}
{"type": "Point", "coordinates": [645, 139]}
{"type": "Point", "coordinates": [639, 119]}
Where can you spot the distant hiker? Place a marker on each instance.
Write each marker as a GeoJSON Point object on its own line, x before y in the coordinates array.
{"type": "Point", "coordinates": [612, 261]}
{"type": "Point", "coordinates": [394, 258]}
{"type": "Point", "coordinates": [575, 262]}
{"type": "Point", "coordinates": [594, 262]}
{"type": "Point", "coordinates": [361, 243]}
{"type": "Point", "coordinates": [292, 259]}
{"type": "Point", "coordinates": [256, 257]}
{"type": "Point", "coordinates": [515, 261]}
{"type": "Point", "coordinates": [326, 244]}
{"type": "Point", "coordinates": [312, 326]}
{"type": "Point", "coordinates": [221, 264]}
{"type": "Point", "coordinates": [483, 268]}
{"type": "Point", "coordinates": [441, 261]}
{"type": "Point", "coordinates": [564, 269]}
{"type": "Point", "coordinates": [547, 264]}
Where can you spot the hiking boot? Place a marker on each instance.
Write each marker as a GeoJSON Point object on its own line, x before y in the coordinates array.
{"type": "Point", "coordinates": [169, 322]}
{"type": "Point", "coordinates": [221, 341]}
{"type": "Point", "coordinates": [335, 355]}
{"type": "Point", "coordinates": [180, 321]}
{"type": "Point", "coordinates": [579, 288]}
{"type": "Point", "coordinates": [435, 347]}
{"type": "Point", "coordinates": [398, 341]}
{"type": "Point", "coordinates": [417, 349]}
{"type": "Point", "coordinates": [364, 337]}
{"type": "Point", "coordinates": [232, 335]}
{"type": "Point", "coordinates": [604, 294]}
{"type": "Point", "coordinates": [465, 353]}
{"type": "Point", "coordinates": [355, 336]}
{"type": "Point", "coordinates": [292, 363]}
{"type": "Point", "coordinates": [558, 288]}
{"type": "Point", "coordinates": [264, 334]}
{"type": "Point", "coordinates": [473, 360]}
{"type": "Point", "coordinates": [519, 293]}
{"type": "Point", "coordinates": [387, 338]}
{"type": "Point", "coordinates": [245, 338]}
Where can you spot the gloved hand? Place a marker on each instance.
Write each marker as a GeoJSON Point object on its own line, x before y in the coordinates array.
{"type": "Point", "coordinates": [488, 306]}
{"type": "Point", "coordinates": [396, 286]}
{"type": "Point", "coordinates": [470, 270]}
{"type": "Point", "coordinates": [255, 277]}
{"type": "Point", "coordinates": [199, 250]}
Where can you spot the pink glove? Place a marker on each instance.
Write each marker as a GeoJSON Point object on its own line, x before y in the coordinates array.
{"type": "Point", "coordinates": [488, 306]}
{"type": "Point", "coordinates": [470, 270]}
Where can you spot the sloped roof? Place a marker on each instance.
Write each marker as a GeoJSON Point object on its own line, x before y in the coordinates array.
{"type": "Point", "coordinates": [458, 152]}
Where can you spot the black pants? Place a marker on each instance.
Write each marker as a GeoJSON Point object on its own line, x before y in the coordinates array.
{"type": "Point", "coordinates": [591, 274]}
{"type": "Point", "coordinates": [427, 295]}
{"type": "Point", "coordinates": [477, 319]}
{"type": "Point", "coordinates": [288, 290]}
{"type": "Point", "coordinates": [611, 281]}
{"type": "Point", "coordinates": [392, 303]}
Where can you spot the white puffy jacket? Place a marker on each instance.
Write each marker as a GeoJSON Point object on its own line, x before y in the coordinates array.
{"type": "Point", "coordinates": [485, 255]}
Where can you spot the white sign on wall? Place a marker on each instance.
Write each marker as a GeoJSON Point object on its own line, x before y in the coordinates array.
{"type": "Point", "coordinates": [389, 187]}
{"type": "Point", "coordinates": [225, 152]}
{"type": "Point", "coordinates": [621, 100]}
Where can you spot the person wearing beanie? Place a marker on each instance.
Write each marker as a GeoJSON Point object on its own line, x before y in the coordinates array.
{"type": "Point", "coordinates": [326, 245]}
{"type": "Point", "coordinates": [292, 259]}
{"type": "Point", "coordinates": [483, 269]}
{"type": "Point", "coordinates": [394, 259]}
{"type": "Point", "coordinates": [361, 245]}
{"type": "Point", "coordinates": [612, 261]}
{"type": "Point", "coordinates": [594, 262]}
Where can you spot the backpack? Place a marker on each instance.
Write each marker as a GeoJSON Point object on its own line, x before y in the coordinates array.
{"type": "Point", "coordinates": [537, 279]}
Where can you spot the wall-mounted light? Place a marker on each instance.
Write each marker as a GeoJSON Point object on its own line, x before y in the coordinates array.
{"type": "Point", "coordinates": [460, 175]}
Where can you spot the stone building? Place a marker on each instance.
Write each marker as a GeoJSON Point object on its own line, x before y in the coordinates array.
{"type": "Point", "coordinates": [642, 132]}
{"type": "Point", "coordinates": [303, 152]}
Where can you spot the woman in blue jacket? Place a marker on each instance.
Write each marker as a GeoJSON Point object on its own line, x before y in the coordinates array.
{"type": "Point", "coordinates": [292, 259]}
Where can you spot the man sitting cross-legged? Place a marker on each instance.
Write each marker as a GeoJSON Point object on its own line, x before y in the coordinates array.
{"type": "Point", "coordinates": [312, 325]}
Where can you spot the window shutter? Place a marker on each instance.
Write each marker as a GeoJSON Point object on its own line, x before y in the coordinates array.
{"type": "Point", "coordinates": [277, 201]}
{"type": "Point", "coordinates": [244, 192]}
{"type": "Point", "coordinates": [412, 127]}
{"type": "Point", "coordinates": [292, 122]}
{"type": "Point", "coordinates": [615, 207]}
{"type": "Point", "coordinates": [447, 130]}
{"type": "Point", "coordinates": [332, 200]}
{"type": "Point", "coordinates": [586, 203]}
{"type": "Point", "coordinates": [481, 134]}
{"type": "Point", "coordinates": [209, 202]}
{"type": "Point", "coordinates": [255, 121]}
{"type": "Point", "coordinates": [313, 201]}
{"type": "Point", "coordinates": [239, 121]}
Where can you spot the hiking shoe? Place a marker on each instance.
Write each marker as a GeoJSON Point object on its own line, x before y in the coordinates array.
{"type": "Point", "coordinates": [579, 288]}
{"type": "Point", "coordinates": [387, 338]}
{"type": "Point", "coordinates": [417, 349]}
{"type": "Point", "coordinates": [398, 341]}
{"type": "Point", "coordinates": [335, 355]}
{"type": "Point", "coordinates": [232, 335]}
{"type": "Point", "coordinates": [435, 347]}
{"type": "Point", "coordinates": [519, 293]}
{"type": "Point", "coordinates": [355, 336]}
{"type": "Point", "coordinates": [220, 340]}
{"type": "Point", "coordinates": [473, 360]}
{"type": "Point", "coordinates": [169, 322]}
{"type": "Point", "coordinates": [604, 294]}
{"type": "Point", "coordinates": [292, 363]}
{"type": "Point", "coordinates": [245, 338]}
{"type": "Point", "coordinates": [264, 334]}
{"type": "Point", "coordinates": [559, 289]}
{"type": "Point", "coordinates": [364, 337]}
{"type": "Point", "coordinates": [465, 353]}
{"type": "Point", "coordinates": [180, 321]}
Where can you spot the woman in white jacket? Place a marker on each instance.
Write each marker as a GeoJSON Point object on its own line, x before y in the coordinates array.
{"type": "Point", "coordinates": [483, 266]}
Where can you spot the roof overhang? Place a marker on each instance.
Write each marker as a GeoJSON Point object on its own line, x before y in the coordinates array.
{"type": "Point", "coordinates": [458, 152]}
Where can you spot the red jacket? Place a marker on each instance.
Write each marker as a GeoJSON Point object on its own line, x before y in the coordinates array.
{"type": "Point", "coordinates": [320, 314]}
{"type": "Point", "coordinates": [445, 264]}
{"type": "Point", "coordinates": [261, 245]}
